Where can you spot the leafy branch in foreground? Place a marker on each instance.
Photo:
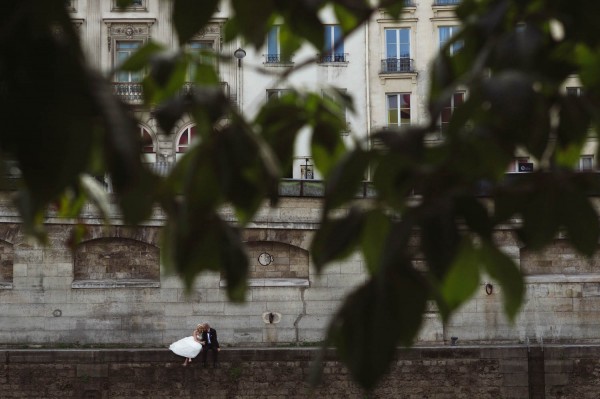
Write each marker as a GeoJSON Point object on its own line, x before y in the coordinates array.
{"type": "Point", "coordinates": [515, 57]}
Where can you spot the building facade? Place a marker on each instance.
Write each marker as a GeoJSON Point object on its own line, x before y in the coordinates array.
{"type": "Point", "coordinates": [112, 288]}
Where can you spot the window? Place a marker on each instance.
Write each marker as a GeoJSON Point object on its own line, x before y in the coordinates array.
{"type": "Point", "coordinates": [147, 142]}
{"type": "Point", "coordinates": [520, 165]}
{"type": "Point", "coordinates": [575, 91]}
{"type": "Point", "coordinates": [333, 50]}
{"type": "Point", "coordinates": [455, 101]}
{"type": "Point", "coordinates": [274, 54]}
{"type": "Point", "coordinates": [397, 51]}
{"type": "Point", "coordinates": [445, 33]}
{"type": "Point", "coordinates": [135, 5]}
{"type": "Point", "coordinates": [586, 163]}
{"type": "Point", "coordinates": [124, 49]}
{"type": "Point", "coordinates": [341, 107]}
{"type": "Point", "coordinates": [276, 93]}
{"type": "Point", "coordinates": [185, 139]}
{"type": "Point", "coordinates": [398, 109]}
{"type": "Point", "coordinates": [200, 49]}
{"type": "Point", "coordinates": [307, 170]}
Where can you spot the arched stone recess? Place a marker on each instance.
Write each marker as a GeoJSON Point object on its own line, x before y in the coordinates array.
{"type": "Point", "coordinates": [116, 262]}
{"type": "Point", "coordinates": [7, 256]}
{"type": "Point", "coordinates": [558, 258]}
{"type": "Point", "coordinates": [276, 264]}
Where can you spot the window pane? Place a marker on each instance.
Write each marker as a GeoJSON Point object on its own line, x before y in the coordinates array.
{"type": "Point", "coordinates": [405, 100]}
{"type": "Point", "coordinates": [338, 40]}
{"type": "Point", "coordinates": [272, 42]}
{"type": "Point", "coordinates": [393, 101]}
{"type": "Point", "coordinates": [459, 98]}
{"type": "Point", "coordinates": [328, 39]}
{"type": "Point", "coordinates": [391, 43]}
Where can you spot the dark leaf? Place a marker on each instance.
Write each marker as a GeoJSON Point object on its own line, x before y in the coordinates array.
{"type": "Point", "coordinates": [580, 219]}
{"type": "Point", "coordinates": [189, 16]}
{"type": "Point", "coordinates": [337, 238]}
{"type": "Point", "coordinates": [344, 179]}
{"type": "Point", "coordinates": [387, 310]}
{"type": "Point", "coordinates": [462, 278]}
{"type": "Point", "coordinates": [502, 269]}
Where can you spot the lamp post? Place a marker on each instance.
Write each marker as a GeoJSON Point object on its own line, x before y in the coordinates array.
{"type": "Point", "coordinates": [239, 54]}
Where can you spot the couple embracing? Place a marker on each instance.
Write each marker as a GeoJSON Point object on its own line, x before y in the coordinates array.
{"type": "Point", "coordinates": [202, 340]}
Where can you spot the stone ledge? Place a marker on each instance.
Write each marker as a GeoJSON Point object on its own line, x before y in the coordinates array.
{"type": "Point", "coordinates": [86, 284]}
{"type": "Point", "coordinates": [274, 282]}
{"type": "Point", "coordinates": [562, 278]}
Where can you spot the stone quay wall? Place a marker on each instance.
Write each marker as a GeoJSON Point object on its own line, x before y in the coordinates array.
{"type": "Point", "coordinates": [557, 371]}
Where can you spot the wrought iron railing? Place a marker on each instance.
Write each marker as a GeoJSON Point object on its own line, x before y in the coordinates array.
{"type": "Point", "coordinates": [133, 93]}
{"type": "Point", "coordinates": [397, 65]}
{"type": "Point", "coordinates": [129, 92]}
{"type": "Point", "coordinates": [188, 87]}
{"type": "Point", "coordinates": [446, 2]}
{"type": "Point", "coordinates": [277, 59]}
{"type": "Point", "coordinates": [339, 57]}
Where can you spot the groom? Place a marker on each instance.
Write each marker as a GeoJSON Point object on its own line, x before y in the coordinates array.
{"type": "Point", "coordinates": [211, 343]}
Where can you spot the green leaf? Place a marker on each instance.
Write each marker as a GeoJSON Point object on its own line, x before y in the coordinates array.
{"type": "Point", "coordinates": [374, 237]}
{"type": "Point", "coordinates": [337, 238]}
{"type": "Point", "coordinates": [387, 310]}
{"type": "Point", "coordinates": [502, 269]}
{"type": "Point", "coordinates": [142, 57]}
{"type": "Point", "coordinates": [462, 278]}
{"type": "Point", "coordinates": [344, 178]}
{"type": "Point", "coordinates": [250, 21]}
{"type": "Point", "coordinates": [189, 16]}
{"type": "Point", "coordinates": [581, 220]}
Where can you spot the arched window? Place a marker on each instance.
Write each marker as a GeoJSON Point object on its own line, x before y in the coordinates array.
{"type": "Point", "coordinates": [148, 146]}
{"type": "Point", "coordinates": [185, 139]}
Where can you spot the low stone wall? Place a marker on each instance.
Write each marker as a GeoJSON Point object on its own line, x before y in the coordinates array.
{"type": "Point", "coordinates": [556, 371]}
{"type": "Point", "coordinates": [435, 372]}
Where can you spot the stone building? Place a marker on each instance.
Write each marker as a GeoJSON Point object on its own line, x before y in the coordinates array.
{"type": "Point", "coordinates": [112, 289]}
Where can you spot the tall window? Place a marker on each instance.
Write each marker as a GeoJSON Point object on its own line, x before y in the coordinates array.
{"type": "Point", "coordinates": [575, 91]}
{"type": "Point", "coordinates": [397, 50]}
{"type": "Point", "coordinates": [445, 33]}
{"type": "Point", "coordinates": [147, 142]}
{"type": "Point", "coordinates": [333, 50]}
{"type": "Point", "coordinates": [124, 49]}
{"type": "Point", "coordinates": [455, 101]}
{"type": "Point", "coordinates": [185, 139]}
{"type": "Point", "coordinates": [342, 111]}
{"type": "Point", "coordinates": [274, 46]}
{"type": "Point", "coordinates": [398, 109]}
{"type": "Point", "coordinates": [199, 48]}
{"type": "Point", "coordinates": [586, 163]}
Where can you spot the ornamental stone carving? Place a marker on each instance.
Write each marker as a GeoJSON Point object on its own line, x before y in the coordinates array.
{"type": "Point", "coordinates": [128, 30]}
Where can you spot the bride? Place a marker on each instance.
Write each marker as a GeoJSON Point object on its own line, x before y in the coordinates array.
{"type": "Point", "coordinates": [189, 347]}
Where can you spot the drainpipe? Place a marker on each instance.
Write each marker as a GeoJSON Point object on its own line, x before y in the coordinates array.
{"type": "Point", "coordinates": [367, 88]}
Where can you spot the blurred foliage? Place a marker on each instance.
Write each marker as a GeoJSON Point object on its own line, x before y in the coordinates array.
{"type": "Point", "coordinates": [61, 125]}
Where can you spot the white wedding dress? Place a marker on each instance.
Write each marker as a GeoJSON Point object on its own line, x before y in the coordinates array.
{"type": "Point", "coordinates": [186, 347]}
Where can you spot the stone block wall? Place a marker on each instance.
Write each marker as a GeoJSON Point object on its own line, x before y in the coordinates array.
{"type": "Point", "coordinates": [434, 373]}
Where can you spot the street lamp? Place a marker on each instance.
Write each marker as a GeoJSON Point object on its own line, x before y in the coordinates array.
{"type": "Point", "coordinates": [239, 54]}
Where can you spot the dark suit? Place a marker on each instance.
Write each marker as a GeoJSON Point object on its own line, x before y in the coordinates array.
{"type": "Point", "coordinates": [211, 343]}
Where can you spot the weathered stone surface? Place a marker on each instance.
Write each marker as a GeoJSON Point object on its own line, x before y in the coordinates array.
{"type": "Point", "coordinates": [435, 373]}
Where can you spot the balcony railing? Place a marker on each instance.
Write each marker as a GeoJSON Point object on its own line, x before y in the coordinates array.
{"type": "Point", "coordinates": [327, 58]}
{"type": "Point", "coordinates": [446, 2]}
{"type": "Point", "coordinates": [133, 93]}
{"type": "Point", "coordinates": [274, 59]}
{"type": "Point", "coordinates": [397, 65]}
{"type": "Point", "coordinates": [188, 86]}
{"type": "Point", "coordinates": [129, 92]}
